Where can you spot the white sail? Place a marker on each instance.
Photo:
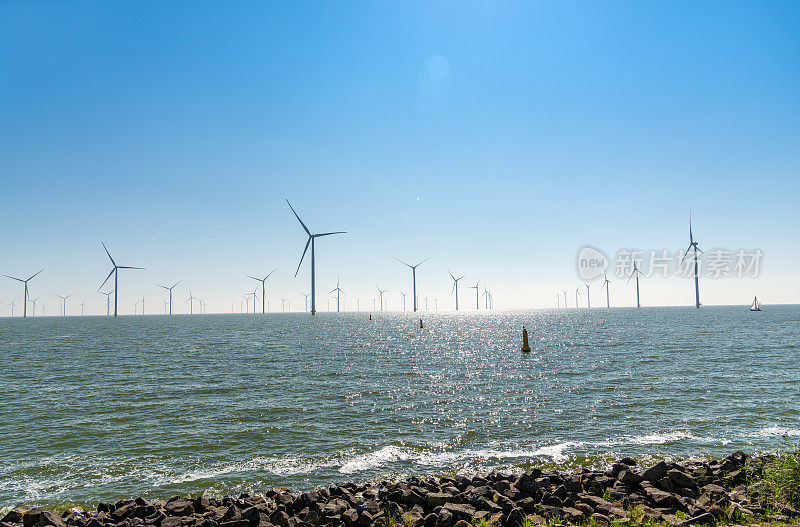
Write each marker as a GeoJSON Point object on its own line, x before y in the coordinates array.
{"type": "Point", "coordinates": [755, 306]}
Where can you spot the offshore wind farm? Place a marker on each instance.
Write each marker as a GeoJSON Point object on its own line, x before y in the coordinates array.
{"type": "Point", "coordinates": [294, 264]}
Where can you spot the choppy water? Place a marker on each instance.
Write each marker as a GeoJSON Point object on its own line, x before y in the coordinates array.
{"type": "Point", "coordinates": [98, 409]}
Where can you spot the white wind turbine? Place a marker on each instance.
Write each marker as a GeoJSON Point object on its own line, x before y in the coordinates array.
{"type": "Point", "coordinates": [338, 291]}
{"type": "Point", "coordinates": [170, 293]}
{"type": "Point", "coordinates": [263, 289]}
{"type": "Point", "coordinates": [637, 273]}
{"type": "Point", "coordinates": [455, 286]}
{"type": "Point", "coordinates": [306, 295]}
{"type": "Point", "coordinates": [693, 245]}
{"type": "Point", "coordinates": [311, 239]}
{"type": "Point", "coordinates": [605, 284]}
{"type": "Point", "coordinates": [115, 272]}
{"type": "Point", "coordinates": [191, 300]}
{"type": "Point", "coordinates": [63, 304]}
{"type": "Point", "coordinates": [380, 292]}
{"type": "Point", "coordinates": [413, 278]}
{"type": "Point", "coordinates": [108, 301]}
{"type": "Point", "coordinates": [477, 294]}
{"type": "Point", "coordinates": [83, 306]}
{"type": "Point", "coordinates": [25, 297]}
{"type": "Point", "coordinates": [34, 305]}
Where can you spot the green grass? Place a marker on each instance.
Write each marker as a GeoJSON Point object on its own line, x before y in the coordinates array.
{"type": "Point", "coordinates": [780, 479]}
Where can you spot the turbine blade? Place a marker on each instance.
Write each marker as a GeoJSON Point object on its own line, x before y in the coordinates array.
{"type": "Point", "coordinates": [14, 278]}
{"type": "Point", "coordinates": [329, 233]}
{"type": "Point", "coordinates": [176, 283]}
{"type": "Point", "coordinates": [254, 278]}
{"type": "Point", "coordinates": [109, 255]}
{"type": "Point", "coordinates": [402, 262]}
{"type": "Point", "coordinates": [423, 261]}
{"type": "Point", "coordinates": [298, 218]}
{"type": "Point", "coordinates": [128, 267]}
{"type": "Point", "coordinates": [165, 287]}
{"type": "Point", "coordinates": [686, 253]}
{"type": "Point", "coordinates": [270, 274]}
{"type": "Point", "coordinates": [304, 255]}
{"type": "Point", "coordinates": [107, 277]}
{"type": "Point", "coordinates": [31, 278]}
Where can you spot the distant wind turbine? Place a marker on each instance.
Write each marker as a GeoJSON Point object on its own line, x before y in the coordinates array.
{"type": "Point", "coordinates": [170, 293]}
{"type": "Point", "coordinates": [577, 293]}
{"type": "Point", "coordinates": [455, 286]}
{"type": "Point", "coordinates": [380, 292]}
{"type": "Point", "coordinates": [108, 301]}
{"type": "Point", "coordinates": [588, 303]}
{"type": "Point", "coordinates": [34, 305]}
{"type": "Point", "coordinates": [83, 306]}
{"type": "Point", "coordinates": [566, 305]}
{"type": "Point", "coordinates": [191, 300]}
{"type": "Point", "coordinates": [25, 297]}
{"type": "Point", "coordinates": [115, 272]}
{"type": "Point", "coordinates": [693, 245]}
{"type": "Point", "coordinates": [306, 295]}
{"type": "Point", "coordinates": [477, 294]}
{"type": "Point", "coordinates": [558, 299]}
{"type": "Point", "coordinates": [311, 238]}
{"type": "Point", "coordinates": [413, 278]}
{"type": "Point", "coordinates": [13, 305]}
{"type": "Point", "coordinates": [605, 284]}
{"type": "Point", "coordinates": [263, 289]}
{"type": "Point", "coordinates": [404, 300]}
{"type": "Point", "coordinates": [637, 273]}
{"type": "Point", "coordinates": [338, 291]}
{"type": "Point", "coordinates": [64, 304]}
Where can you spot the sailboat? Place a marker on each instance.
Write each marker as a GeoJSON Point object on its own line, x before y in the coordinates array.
{"type": "Point", "coordinates": [756, 306]}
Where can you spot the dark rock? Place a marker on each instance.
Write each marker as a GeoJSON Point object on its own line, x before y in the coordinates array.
{"type": "Point", "coordinates": [431, 519]}
{"type": "Point", "coordinates": [656, 472]}
{"type": "Point", "coordinates": [704, 519]}
{"type": "Point", "coordinates": [179, 507]}
{"type": "Point", "coordinates": [515, 517]}
{"type": "Point", "coordinates": [460, 511]}
{"type": "Point", "coordinates": [350, 518]}
{"type": "Point", "coordinates": [462, 523]}
{"type": "Point", "coordinates": [436, 499]}
{"type": "Point", "coordinates": [413, 517]}
{"type": "Point", "coordinates": [628, 461]}
{"type": "Point", "coordinates": [171, 521]}
{"type": "Point", "coordinates": [526, 483]}
{"type": "Point", "coordinates": [527, 504]}
{"type": "Point", "coordinates": [14, 515]}
{"type": "Point", "coordinates": [667, 485]}
{"type": "Point", "coordinates": [629, 477]}
{"type": "Point", "coordinates": [681, 479]}
{"type": "Point", "coordinates": [39, 518]}
{"type": "Point", "coordinates": [252, 515]}
{"type": "Point", "coordinates": [715, 492]}
{"type": "Point", "coordinates": [444, 518]}
{"type": "Point", "coordinates": [601, 519]}
{"type": "Point", "coordinates": [659, 498]}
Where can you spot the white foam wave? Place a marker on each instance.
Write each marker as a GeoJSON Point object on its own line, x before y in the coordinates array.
{"type": "Point", "coordinates": [772, 431]}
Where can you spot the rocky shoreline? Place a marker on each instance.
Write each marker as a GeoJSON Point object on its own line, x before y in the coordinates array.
{"type": "Point", "coordinates": [687, 493]}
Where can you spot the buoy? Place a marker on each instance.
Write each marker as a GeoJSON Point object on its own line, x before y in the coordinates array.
{"type": "Point", "coordinates": [370, 317]}
{"type": "Point", "coordinates": [420, 323]}
{"type": "Point", "coordinates": [525, 346]}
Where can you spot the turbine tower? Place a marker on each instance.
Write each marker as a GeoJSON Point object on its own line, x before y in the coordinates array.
{"type": "Point", "coordinates": [170, 293]}
{"type": "Point", "coordinates": [693, 245]}
{"type": "Point", "coordinates": [311, 238]}
{"type": "Point", "coordinates": [191, 300]}
{"type": "Point", "coordinates": [404, 300]}
{"type": "Point", "coordinates": [13, 305]}
{"type": "Point", "coordinates": [338, 291]}
{"type": "Point", "coordinates": [306, 295]}
{"type": "Point", "coordinates": [34, 305]}
{"type": "Point", "coordinates": [413, 278]}
{"type": "Point", "coordinates": [637, 273]}
{"type": "Point", "coordinates": [263, 290]}
{"type": "Point", "coordinates": [577, 293]}
{"type": "Point", "coordinates": [25, 297]}
{"type": "Point", "coordinates": [588, 303]}
{"type": "Point", "coordinates": [83, 306]}
{"type": "Point", "coordinates": [605, 284]}
{"type": "Point", "coordinates": [108, 301]}
{"type": "Point", "coordinates": [64, 304]}
{"type": "Point", "coordinates": [115, 272]}
{"type": "Point", "coordinates": [477, 294]}
{"type": "Point", "coordinates": [558, 299]}
{"type": "Point", "coordinates": [455, 287]}
{"type": "Point", "coordinates": [565, 300]}
{"type": "Point", "coordinates": [380, 293]}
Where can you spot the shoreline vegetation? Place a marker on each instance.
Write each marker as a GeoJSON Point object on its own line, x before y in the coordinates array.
{"type": "Point", "coordinates": [735, 490]}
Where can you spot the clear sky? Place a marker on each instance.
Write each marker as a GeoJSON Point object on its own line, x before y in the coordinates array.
{"type": "Point", "coordinates": [495, 138]}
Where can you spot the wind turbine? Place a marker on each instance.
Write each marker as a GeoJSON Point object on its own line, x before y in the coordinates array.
{"type": "Point", "coordinates": [485, 297]}
{"type": "Point", "coordinates": [13, 305]}
{"type": "Point", "coordinates": [435, 304]}
{"type": "Point", "coordinates": [693, 245]}
{"type": "Point", "coordinates": [108, 301]}
{"type": "Point", "coordinates": [381, 295]}
{"type": "Point", "coordinates": [283, 305]}
{"type": "Point", "coordinates": [558, 299]}
{"type": "Point", "coordinates": [34, 305]}
{"type": "Point", "coordinates": [588, 303]}
{"type": "Point", "coordinates": [306, 295]}
{"type": "Point", "coordinates": [566, 305]}
{"type": "Point", "coordinates": [338, 290]}
{"type": "Point", "coordinates": [166, 304]}
{"type": "Point", "coordinates": [83, 306]}
{"type": "Point", "coordinates": [24, 298]}
{"type": "Point", "coordinates": [311, 238]}
{"type": "Point", "coordinates": [413, 278]}
{"type": "Point", "coordinates": [605, 284]}
{"type": "Point", "coordinates": [455, 286]}
{"type": "Point", "coordinates": [637, 273]}
{"type": "Point", "coordinates": [115, 272]}
{"type": "Point", "coordinates": [191, 300]}
{"type": "Point", "coordinates": [142, 304]}
{"type": "Point", "coordinates": [577, 293]}
{"type": "Point", "coordinates": [477, 294]}
{"type": "Point", "coordinates": [135, 306]}
{"type": "Point", "coordinates": [64, 305]}
{"type": "Point", "coordinates": [404, 300]}
{"type": "Point", "coordinates": [426, 302]}
{"type": "Point", "coordinates": [263, 290]}
{"type": "Point", "coordinates": [170, 293]}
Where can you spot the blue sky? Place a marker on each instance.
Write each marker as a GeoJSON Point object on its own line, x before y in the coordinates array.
{"type": "Point", "coordinates": [496, 139]}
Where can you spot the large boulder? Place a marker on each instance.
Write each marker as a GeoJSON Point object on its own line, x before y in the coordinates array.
{"type": "Point", "coordinates": [656, 472]}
